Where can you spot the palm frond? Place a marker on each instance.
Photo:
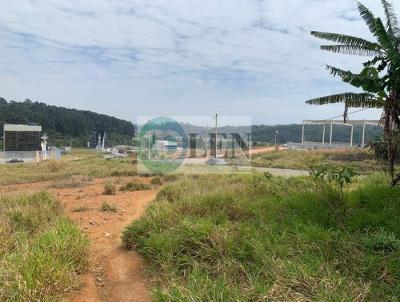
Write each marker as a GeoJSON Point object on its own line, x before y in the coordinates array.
{"type": "Point", "coordinates": [367, 15]}
{"type": "Point", "coordinates": [386, 42]}
{"type": "Point", "coordinates": [352, 50]}
{"type": "Point", "coordinates": [391, 18]}
{"type": "Point", "coordinates": [341, 73]}
{"type": "Point", "coordinates": [358, 100]}
{"type": "Point", "coordinates": [346, 39]}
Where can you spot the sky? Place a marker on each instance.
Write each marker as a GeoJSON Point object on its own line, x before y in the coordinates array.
{"type": "Point", "coordinates": [130, 58]}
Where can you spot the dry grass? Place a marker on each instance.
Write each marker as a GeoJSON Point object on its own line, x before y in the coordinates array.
{"type": "Point", "coordinates": [77, 162]}
{"type": "Point", "coordinates": [362, 160]}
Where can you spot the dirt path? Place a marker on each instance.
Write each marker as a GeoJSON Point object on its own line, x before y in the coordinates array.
{"type": "Point", "coordinates": [115, 274]}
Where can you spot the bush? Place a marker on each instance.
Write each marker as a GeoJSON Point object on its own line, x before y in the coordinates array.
{"type": "Point", "coordinates": [135, 186]}
{"type": "Point", "coordinates": [109, 189]}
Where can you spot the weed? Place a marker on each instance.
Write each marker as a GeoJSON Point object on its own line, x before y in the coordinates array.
{"type": "Point", "coordinates": [109, 189]}
{"type": "Point", "coordinates": [135, 186]}
{"type": "Point", "coordinates": [41, 251]}
{"type": "Point", "coordinates": [157, 181]}
{"type": "Point", "coordinates": [107, 207]}
{"type": "Point", "coordinates": [55, 165]}
{"type": "Point", "coordinates": [80, 209]}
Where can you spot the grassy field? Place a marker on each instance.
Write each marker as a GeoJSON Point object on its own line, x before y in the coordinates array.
{"type": "Point", "coordinates": [362, 160]}
{"type": "Point", "coordinates": [41, 251]}
{"type": "Point", "coordinates": [77, 162]}
{"type": "Point", "coordinates": [256, 238]}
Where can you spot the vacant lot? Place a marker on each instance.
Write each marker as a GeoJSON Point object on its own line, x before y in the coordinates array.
{"type": "Point", "coordinates": [76, 163]}
{"type": "Point", "coordinates": [253, 238]}
{"type": "Point", "coordinates": [362, 160]}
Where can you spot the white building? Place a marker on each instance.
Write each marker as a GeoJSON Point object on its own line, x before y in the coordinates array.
{"type": "Point", "coordinates": [167, 146]}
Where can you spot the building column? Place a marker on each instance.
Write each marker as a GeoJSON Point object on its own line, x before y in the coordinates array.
{"type": "Point", "coordinates": [323, 135]}
{"type": "Point", "coordinates": [330, 136]}
{"type": "Point", "coordinates": [363, 135]}
{"type": "Point", "coordinates": [351, 135]}
{"type": "Point", "coordinates": [302, 135]}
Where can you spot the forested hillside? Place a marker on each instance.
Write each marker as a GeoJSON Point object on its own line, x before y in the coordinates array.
{"type": "Point", "coordinates": [63, 124]}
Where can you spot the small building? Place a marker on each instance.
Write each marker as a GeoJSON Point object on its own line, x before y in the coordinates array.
{"type": "Point", "coordinates": [22, 137]}
{"type": "Point", "coordinates": [167, 146]}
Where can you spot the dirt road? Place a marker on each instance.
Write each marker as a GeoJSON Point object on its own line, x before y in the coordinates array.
{"type": "Point", "coordinates": [115, 274]}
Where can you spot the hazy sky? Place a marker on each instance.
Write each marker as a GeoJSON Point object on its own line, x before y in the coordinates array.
{"type": "Point", "coordinates": [177, 57]}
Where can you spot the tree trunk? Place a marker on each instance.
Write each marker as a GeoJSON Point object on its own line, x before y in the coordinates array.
{"type": "Point", "coordinates": [391, 123]}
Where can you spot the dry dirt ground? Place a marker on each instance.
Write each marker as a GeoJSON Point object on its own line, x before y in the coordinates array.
{"type": "Point", "coordinates": [114, 274]}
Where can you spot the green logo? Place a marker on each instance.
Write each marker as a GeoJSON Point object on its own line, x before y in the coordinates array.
{"type": "Point", "coordinates": [162, 145]}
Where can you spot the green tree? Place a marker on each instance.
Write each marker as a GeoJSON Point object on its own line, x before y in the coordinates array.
{"type": "Point", "coordinates": [380, 77]}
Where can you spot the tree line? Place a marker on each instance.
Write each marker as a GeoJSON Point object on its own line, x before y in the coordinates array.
{"type": "Point", "coordinates": [64, 125]}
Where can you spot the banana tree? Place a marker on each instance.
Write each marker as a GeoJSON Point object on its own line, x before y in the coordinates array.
{"type": "Point", "coordinates": [380, 76]}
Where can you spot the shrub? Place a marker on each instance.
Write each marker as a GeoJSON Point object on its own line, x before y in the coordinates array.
{"type": "Point", "coordinates": [109, 189]}
{"type": "Point", "coordinates": [107, 207]}
{"type": "Point", "coordinates": [331, 182]}
{"type": "Point", "coordinates": [157, 181]}
{"type": "Point", "coordinates": [135, 186]}
{"type": "Point", "coordinates": [55, 165]}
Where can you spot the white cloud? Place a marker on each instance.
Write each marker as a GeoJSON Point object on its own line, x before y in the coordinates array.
{"type": "Point", "coordinates": [178, 57]}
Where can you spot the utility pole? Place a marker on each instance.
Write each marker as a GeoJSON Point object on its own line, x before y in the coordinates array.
{"type": "Point", "coordinates": [216, 133]}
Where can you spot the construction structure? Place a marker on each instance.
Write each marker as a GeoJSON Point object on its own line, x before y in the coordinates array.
{"type": "Point", "coordinates": [24, 143]}
{"type": "Point", "coordinates": [326, 142]}
{"type": "Point", "coordinates": [22, 137]}
{"type": "Point", "coordinates": [97, 140]}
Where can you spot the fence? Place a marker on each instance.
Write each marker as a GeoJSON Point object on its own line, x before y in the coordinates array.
{"type": "Point", "coordinates": [29, 156]}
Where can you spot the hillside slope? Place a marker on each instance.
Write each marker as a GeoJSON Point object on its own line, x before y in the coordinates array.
{"type": "Point", "coordinates": [62, 123]}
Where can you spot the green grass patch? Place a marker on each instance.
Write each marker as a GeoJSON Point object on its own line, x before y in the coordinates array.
{"type": "Point", "coordinates": [257, 238]}
{"type": "Point", "coordinates": [41, 251]}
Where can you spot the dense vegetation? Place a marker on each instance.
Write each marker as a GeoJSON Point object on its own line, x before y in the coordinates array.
{"type": "Point", "coordinates": [257, 238]}
{"type": "Point", "coordinates": [41, 251]}
{"type": "Point", "coordinates": [62, 124]}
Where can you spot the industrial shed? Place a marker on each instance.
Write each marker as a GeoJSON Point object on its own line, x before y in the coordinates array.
{"type": "Point", "coordinates": [22, 137]}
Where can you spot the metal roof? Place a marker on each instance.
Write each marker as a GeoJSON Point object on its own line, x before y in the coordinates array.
{"type": "Point", "coordinates": [22, 128]}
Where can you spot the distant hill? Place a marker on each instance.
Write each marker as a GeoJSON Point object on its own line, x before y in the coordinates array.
{"type": "Point", "coordinates": [61, 123]}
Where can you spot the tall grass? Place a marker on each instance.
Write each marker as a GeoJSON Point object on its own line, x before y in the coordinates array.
{"type": "Point", "coordinates": [41, 251]}
{"type": "Point", "coordinates": [253, 238]}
